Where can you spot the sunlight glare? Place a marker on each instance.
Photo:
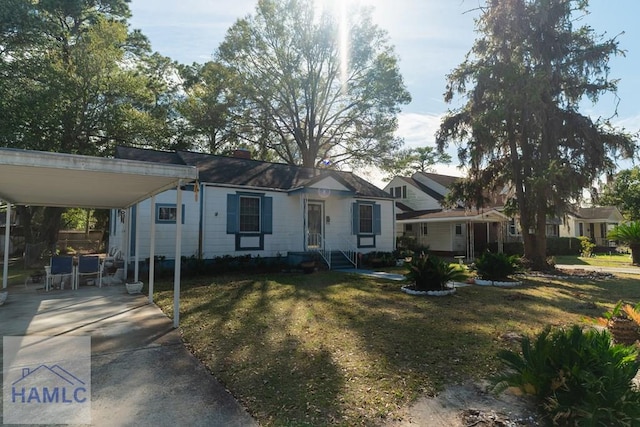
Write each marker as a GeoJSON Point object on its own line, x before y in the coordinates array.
{"type": "Point", "coordinates": [338, 8]}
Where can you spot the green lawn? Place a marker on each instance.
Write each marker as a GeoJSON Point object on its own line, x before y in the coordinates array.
{"type": "Point", "coordinates": [333, 348]}
{"type": "Point", "coordinates": [600, 260]}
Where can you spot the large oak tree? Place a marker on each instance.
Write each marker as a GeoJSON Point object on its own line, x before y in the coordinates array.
{"type": "Point", "coordinates": [519, 123]}
{"type": "Point", "coordinates": [301, 100]}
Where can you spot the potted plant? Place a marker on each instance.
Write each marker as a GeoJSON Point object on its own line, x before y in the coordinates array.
{"type": "Point", "coordinates": [430, 275]}
{"type": "Point", "coordinates": [495, 269]}
{"type": "Point", "coordinates": [623, 322]}
{"type": "Point", "coordinates": [134, 287]}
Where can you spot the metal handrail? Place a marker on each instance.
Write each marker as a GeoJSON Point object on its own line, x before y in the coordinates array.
{"type": "Point", "coordinates": [322, 248]}
{"type": "Point", "coordinates": [351, 252]}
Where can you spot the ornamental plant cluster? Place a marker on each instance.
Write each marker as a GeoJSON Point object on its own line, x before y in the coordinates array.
{"type": "Point", "coordinates": [578, 377]}
{"type": "Point", "coordinates": [431, 273]}
{"type": "Point", "coordinates": [497, 266]}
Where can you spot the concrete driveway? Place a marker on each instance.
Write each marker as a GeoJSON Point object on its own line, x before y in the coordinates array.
{"type": "Point", "coordinates": [141, 373]}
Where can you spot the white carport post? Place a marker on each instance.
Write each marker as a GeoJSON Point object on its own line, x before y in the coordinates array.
{"type": "Point", "coordinates": [176, 273]}
{"type": "Point", "coordinates": [136, 257]}
{"type": "Point", "coordinates": [7, 236]}
{"type": "Point", "coordinates": [152, 247]}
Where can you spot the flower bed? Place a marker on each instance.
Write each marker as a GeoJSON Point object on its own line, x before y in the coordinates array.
{"type": "Point", "coordinates": [408, 289]}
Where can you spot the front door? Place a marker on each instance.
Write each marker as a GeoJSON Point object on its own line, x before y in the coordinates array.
{"type": "Point", "coordinates": [314, 225]}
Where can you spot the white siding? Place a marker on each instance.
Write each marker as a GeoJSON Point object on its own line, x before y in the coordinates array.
{"type": "Point", "coordinates": [439, 236]}
{"type": "Point", "coordinates": [289, 234]}
{"type": "Point", "coordinates": [166, 233]}
{"type": "Point", "coordinates": [416, 198]}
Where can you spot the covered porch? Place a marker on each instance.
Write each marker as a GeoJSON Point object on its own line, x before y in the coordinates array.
{"type": "Point", "coordinates": [456, 232]}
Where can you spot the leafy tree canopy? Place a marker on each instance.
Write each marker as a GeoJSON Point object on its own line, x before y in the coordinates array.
{"type": "Point", "coordinates": [73, 78]}
{"type": "Point", "coordinates": [519, 124]}
{"type": "Point", "coordinates": [624, 192]}
{"type": "Point", "coordinates": [418, 159]}
{"type": "Point", "coordinates": [310, 96]}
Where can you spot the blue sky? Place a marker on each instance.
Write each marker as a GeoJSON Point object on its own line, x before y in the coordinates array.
{"type": "Point", "coordinates": [430, 37]}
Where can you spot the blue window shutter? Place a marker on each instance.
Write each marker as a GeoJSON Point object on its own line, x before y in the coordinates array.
{"type": "Point", "coordinates": [232, 213]}
{"type": "Point", "coordinates": [377, 219]}
{"type": "Point", "coordinates": [355, 226]}
{"type": "Point", "coordinates": [267, 215]}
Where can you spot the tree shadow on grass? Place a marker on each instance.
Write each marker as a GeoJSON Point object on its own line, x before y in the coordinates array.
{"type": "Point", "coordinates": [332, 348]}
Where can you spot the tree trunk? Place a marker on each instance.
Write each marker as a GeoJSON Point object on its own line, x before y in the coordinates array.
{"type": "Point", "coordinates": [25, 215]}
{"type": "Point", "coordinates": [535, 244]}
{"type": "Point", "coordinates": [635, 253]}
{"type": "Point", "coordinates": [50, 226]}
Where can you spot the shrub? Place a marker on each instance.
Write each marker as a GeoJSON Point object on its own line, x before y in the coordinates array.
{"type": "Point", "coordinates": [563, 246]}
{"type": "Point", "coordinates": [431, 273]}
{"type": "Point", "coordinates": [497, 266]}
{"type": "Point", "coordinates": [586, 246]}
{"type": "Point", "coordinates": [379, 259]}
{"type": "Point", "coordinates": [578, 377]}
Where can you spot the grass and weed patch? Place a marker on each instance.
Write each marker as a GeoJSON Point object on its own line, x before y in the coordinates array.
{"type": "Point", "coordinates": [335, 348]}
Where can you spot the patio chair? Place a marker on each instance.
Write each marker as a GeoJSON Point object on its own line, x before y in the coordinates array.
{"type": "Point", "coordinates": [89, 266]}
{"type": "Point", "coordinates": [61, 268]}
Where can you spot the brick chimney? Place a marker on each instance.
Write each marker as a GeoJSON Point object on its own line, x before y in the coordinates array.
{"type": "Point", "coordinates": [242, 153]}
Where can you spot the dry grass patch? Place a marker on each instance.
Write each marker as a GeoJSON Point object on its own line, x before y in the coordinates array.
{"type": "Point", "coordinates": [334, 348]}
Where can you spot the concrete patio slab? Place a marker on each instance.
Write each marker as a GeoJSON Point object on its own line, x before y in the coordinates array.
{"type": "Point", "coordinates": [141, 373]}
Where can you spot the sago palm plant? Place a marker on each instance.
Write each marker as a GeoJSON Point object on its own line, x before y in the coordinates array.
{"type": "Point", "coordinates": [430, 273]}
{"type": "Point", "coordinates": [628, 233]}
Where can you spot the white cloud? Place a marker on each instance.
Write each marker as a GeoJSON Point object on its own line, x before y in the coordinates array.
{"type": "Point", "coordinates": [418, 129]}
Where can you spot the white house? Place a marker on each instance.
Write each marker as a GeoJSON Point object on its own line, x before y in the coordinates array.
{"type": "Point", "coordinates": [455, 231]}
{"type": "Point", "coordinates": [594, 222]}
{"type": "Point", "coordinates": [248, 207]}
{"type": "Point", "coordinates": [465, 232]}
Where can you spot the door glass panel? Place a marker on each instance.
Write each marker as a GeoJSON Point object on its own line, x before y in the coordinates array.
{"type": "Point", "coordinates": [314, 224]}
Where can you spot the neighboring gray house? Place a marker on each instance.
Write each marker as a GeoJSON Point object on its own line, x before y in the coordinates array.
{"type": "Point", "coordinates": [243, 206]}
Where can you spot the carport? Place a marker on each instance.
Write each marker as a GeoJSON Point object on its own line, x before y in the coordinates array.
{"type": "Point", "coordinates": [65, 180]}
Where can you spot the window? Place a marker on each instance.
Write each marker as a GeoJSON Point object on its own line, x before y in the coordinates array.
{"type": "Point", "coordinates": [553, 230]}
{"type": "Point", "coordinates": [580, 229]}
{"type": "Point", "coordinates": [513, 228]}
{"type": "Point", "coordinates": [249, 214]}
{"type": "Point", "coordinates": [408, 227]}
{"type": "Point", "coordinates": [365, 214]}
{"type": "Point", "coordinates": [458, 229]}
{"type": "Point", "coordinates": [425, 230]}
{"type": "Point", "coordinates": [398, 192]}
{"type": "Point", "coordinates": [167, 213]}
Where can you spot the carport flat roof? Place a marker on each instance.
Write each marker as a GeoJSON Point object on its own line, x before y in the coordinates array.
{"type": "Point", "coordinates": [67, 180]}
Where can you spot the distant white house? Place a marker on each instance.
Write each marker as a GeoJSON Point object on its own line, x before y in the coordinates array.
{"type": "Point", "coordinates": [456, 231]}
{"type": "Point", "coordinates": [249, 207]}
{"type": "Point", "coordinates": [595, 223]}
{"type": "Point", "coordinates": [467, 232]}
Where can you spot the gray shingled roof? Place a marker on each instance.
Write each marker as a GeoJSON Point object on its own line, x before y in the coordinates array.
{"type": "Point", "coordinates": [252, 173]}
{"type": "Point", "coordinates": [603, 212]}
